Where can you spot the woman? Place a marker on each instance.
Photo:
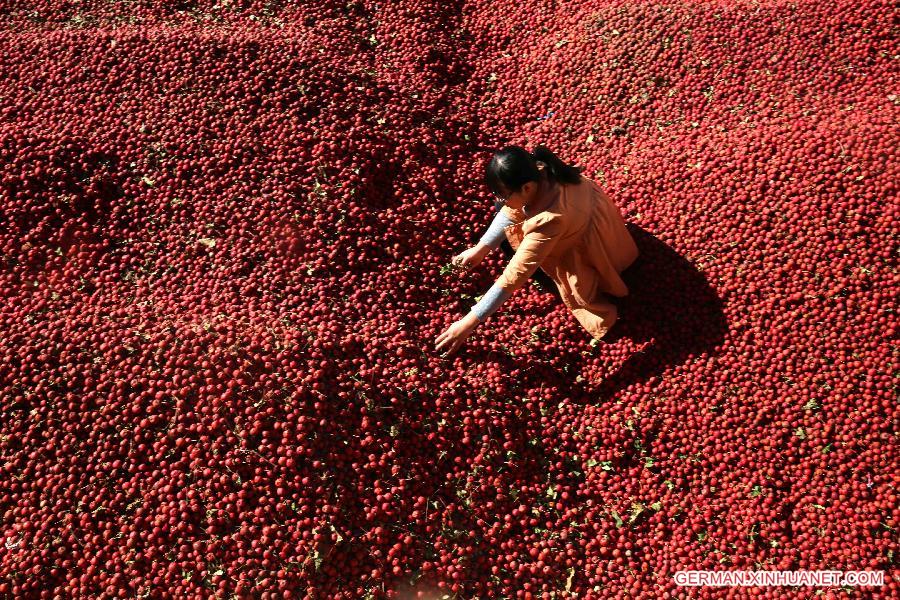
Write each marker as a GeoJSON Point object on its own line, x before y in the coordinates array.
{"type": "Point", "coordinates": [560, 221]}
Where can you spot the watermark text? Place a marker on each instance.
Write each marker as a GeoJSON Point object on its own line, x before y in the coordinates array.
{"type": "Point", "coordinates": [779, 578]}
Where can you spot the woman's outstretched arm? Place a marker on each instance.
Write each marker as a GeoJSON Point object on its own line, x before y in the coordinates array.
{"type": "Point", "coordinates": [495, 234]}
{"type": "Point", "coordinates": [532, 251]}
{"type": "Point", "coordinates": [490, 302]}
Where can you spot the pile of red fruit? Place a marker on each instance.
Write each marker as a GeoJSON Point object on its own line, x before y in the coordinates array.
{"type": "Point", "coordinates": [225, 230]}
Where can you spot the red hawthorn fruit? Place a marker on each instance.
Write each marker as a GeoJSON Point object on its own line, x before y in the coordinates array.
{"type": "Point", "coordinates": [222, 248]}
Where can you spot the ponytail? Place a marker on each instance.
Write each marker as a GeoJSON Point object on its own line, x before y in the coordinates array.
{"type": "Point", "coordinates": [559, 171]}
{"type": "Point", "coordinates": [512, 166]}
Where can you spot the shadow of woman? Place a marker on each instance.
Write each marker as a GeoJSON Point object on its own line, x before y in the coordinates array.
{"type": "Point", "coordinates": [671, 309]}
{"type": "Point", "coordinates": [671, 306]}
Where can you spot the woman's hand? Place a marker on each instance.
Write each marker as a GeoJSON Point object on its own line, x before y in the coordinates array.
{"type": "Point", "coordinates": [455, 335]}
{"type": "Point", "coordinates": [471, 257]}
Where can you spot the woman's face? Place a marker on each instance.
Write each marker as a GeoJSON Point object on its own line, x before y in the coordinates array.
{"type": "Point", "coordinates": [523, 197]}
{"type": "Point", "coordinates": [526, 196]}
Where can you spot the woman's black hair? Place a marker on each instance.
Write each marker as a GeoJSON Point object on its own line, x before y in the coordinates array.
{"type": "Point", "coordinates": [512, 167]}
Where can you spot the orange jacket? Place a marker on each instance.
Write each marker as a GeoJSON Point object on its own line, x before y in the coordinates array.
{"type": "Point", "coordinates": [581, 242]}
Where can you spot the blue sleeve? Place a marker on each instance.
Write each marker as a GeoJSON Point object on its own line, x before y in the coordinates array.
{"type": "Point", "coordinates": [490, 302]}
{"type": "Point", "coordinates": [495, 234]}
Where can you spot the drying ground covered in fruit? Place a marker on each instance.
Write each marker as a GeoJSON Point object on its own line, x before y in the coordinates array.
{"type": "Point", "coordinates": [225, 230]}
